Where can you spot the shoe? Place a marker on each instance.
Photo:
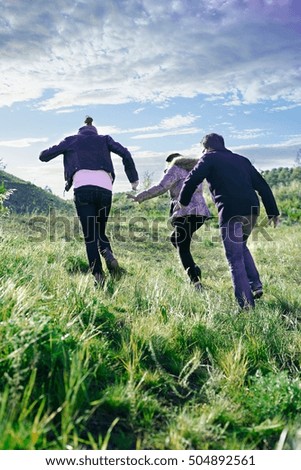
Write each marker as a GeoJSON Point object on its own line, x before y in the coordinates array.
{"type": "Point", "coordinates": [198, 286]}
{"type": "Point", "coordinates": [111, 261]}
{"type": "Point", "coordinates": [257, 293]}
{"type": "Point", "coordinates": [194, 273]}
{"type": "Point", "coordinates": [99, 280]}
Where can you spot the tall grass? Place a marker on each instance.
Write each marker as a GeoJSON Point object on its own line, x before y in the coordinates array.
{"type": "Point", "coordinates": [147, 362]}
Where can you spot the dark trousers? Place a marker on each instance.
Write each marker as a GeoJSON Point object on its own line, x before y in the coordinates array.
{"type": "Point", "coordinates": [245, 276]}
{"type": "Point", "coordinates": [93, 205]}
{"type": "Point", "coordinates": [184, 228]}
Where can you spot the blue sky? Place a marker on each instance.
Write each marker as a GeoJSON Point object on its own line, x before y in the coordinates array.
{"type": "Point", "coordinates": [154, 75]}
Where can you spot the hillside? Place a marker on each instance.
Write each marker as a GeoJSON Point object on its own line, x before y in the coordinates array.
{"type": "Point", "coordinates": [146, 362]}
{"type": "Point", "coordinates": [29, 198]}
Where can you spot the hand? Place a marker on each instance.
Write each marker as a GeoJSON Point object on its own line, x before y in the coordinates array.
{"type": "Point", "coordinates": [275, 221]}
{"type": "Point", "coordinates": [131, 196]}
{"type": "Point", "coordinates": [135, 185]}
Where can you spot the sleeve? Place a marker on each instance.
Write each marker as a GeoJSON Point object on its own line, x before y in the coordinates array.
{"type": "Point", "coordinates": [265, 192]}
{"type": "Point", "coordinates": [162, 187]}
{"type": "Point", "coordinates": [54, 151]}
{"type": "Point", "coordinates": [192, 181]}
{"type": "Point", "coordinates": [127, 160]}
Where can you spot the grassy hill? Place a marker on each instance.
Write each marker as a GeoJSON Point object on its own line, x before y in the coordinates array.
{"type": "Point", "coordinates": [145, 363]}
{"type": "Point", "coordinates": [29, 198]}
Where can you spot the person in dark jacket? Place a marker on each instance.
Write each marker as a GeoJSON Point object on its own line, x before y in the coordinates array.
{"type": "Point", "coordinates": [186, 221]}
{"type": "Point", "coordinates": [233, 182]}
{"type": "Point", "coordinates": [88, 167]}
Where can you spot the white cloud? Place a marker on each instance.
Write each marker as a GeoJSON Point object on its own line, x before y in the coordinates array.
{"type": "Point", "coordinates": [246, 134]}
{"type": "Point", "coordinates": [139, 110]}
{"type": "Point", "coordinates": [178, 124]}
{"type": "Point", "coordinates": [67, 56]}
{"type": "Point", "coordinates": [188, 130]}
{"type": "Point", "coordinates": [290, 144]}
{"type": "Point", "coordinates": [267, 156]}
{"type": "Point", "coordinates": [178, 121]}
{"type": "Point", "coordinates": [22, 143]}
{"type": "Point", "coordinates": [284, 107]}
{"type": "Point", "coordinates": [87, 53]}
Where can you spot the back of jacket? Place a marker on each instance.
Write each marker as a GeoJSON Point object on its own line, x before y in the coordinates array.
{"type": "Point", "coordinates": [233, 182]}
{"type": "Point", "coordinates": [90, 151]}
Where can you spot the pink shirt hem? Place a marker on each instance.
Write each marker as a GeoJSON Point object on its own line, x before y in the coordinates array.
{"type": "Point", "coordinates": [98, 178]}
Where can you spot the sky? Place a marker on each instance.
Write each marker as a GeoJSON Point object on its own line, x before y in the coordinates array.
{"type": "Point", "coordinates": [155, 75]}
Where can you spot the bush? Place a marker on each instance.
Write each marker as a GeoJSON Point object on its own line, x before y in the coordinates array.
{"type": "Point", "coordinates": [274, 395]}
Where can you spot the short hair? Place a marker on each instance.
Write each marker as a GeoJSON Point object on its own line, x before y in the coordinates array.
{"type": "Point", "coordinates": [172, 156]}
{"type": "Point", "coordinates": [213, 141]}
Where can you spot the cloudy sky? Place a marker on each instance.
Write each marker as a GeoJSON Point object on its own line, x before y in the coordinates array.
{"type": "Point", "coordinates": [155, 75]}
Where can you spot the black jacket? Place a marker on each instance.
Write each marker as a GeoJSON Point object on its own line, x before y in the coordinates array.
{"type": "Point", "coordinates": [233, 182]}
{"type": "Point", "coordinates": [90, 151]}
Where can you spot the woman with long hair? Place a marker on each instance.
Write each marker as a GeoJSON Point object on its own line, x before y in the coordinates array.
{"type": "Point", "coordinates": [185, 221]}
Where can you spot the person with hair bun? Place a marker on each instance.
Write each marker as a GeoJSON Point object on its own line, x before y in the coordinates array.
{"type": "Point", "coordinates": [89, 169]}
{"type": "Point", "coordinates": [88, 121]}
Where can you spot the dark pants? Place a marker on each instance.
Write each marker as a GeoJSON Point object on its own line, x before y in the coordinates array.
{"type": "Point", "coordinates": [93, 206]}
{"type": "Point", "coordinates": [245, 276]}
{"type": "Point", "coordinates": [184, 228]}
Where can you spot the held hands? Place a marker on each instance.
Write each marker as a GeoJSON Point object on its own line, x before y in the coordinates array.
{"type": "Point", "coordinates": [134, 188]}
{"type": "Point", "coordinates": [132, 196]}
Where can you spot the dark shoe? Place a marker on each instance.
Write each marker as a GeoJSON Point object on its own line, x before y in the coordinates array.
{"type": "Point", "coordinates": [198, 286]}
{"type": "Point", "coordinates": [257, 293]}
{"type": "Point", "coordinates": [111, 261]}
{"type": "Point", "coordinates": [194, 273]}
{"type": "Point", "coordinates": [99, 280]}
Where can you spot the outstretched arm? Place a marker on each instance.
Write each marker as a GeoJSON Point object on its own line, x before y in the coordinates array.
{"type": "Point", "coordinates": [162, 187]}
{"type": "Point", "coordinates": [54, 151]}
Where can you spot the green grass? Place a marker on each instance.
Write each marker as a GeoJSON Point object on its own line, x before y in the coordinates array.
{"type": "Point", "coordinates": [146, 363]}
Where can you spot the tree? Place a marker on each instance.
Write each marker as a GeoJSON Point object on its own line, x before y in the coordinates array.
{"type": "Point", "coordinates": [298, 158]}
{"type": "Point", "coordinates": [2, 164]}
{"type": "Point", "coordinates": [48, 189]}
{"type": "Point", "coordinates": [147, 179]}
{"type": "Point", "coordinates": [3, 196]}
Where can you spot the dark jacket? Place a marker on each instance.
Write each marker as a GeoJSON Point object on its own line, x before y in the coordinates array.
{"type": "Point", "coordinates": [233, 182]}
{"type": "Point", "coordinates": [90, 151]}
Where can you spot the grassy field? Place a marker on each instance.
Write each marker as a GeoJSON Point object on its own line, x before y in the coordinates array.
{"type": "Point", "coordinates": [145, 363]}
